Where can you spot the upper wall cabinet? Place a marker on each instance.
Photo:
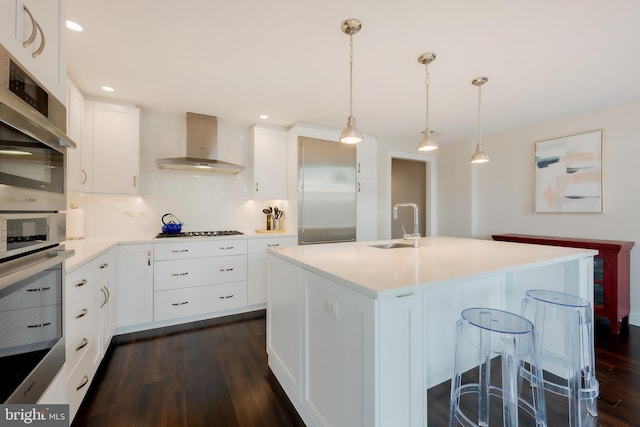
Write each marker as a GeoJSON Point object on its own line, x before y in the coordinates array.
{"type": "Point", "coordinates": [77, 176]}
{"type": "Point", "coordinates": [31, 31]}
{"type": "Point", "coordinates": [269, 149]}
{"type": "Point", "coordinates": [367, 158]}
{"type": "Point", "coordinates": [107, 159]}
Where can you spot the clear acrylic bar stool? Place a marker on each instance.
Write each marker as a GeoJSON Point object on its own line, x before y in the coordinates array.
{"type": "Point", "coordinates": [482, 334]}
{"type": "Point", "coordinates": [564, 334]}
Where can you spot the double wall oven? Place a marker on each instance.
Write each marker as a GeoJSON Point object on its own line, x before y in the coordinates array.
{"type": "Point", "coordinates": [32, 227]}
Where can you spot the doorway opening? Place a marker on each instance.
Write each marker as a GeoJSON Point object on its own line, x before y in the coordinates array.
{"type": "Point", "coordinates": [408, 185]}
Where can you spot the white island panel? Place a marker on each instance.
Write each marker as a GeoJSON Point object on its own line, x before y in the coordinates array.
{"type": "Point", "coordinates": [371, 329]}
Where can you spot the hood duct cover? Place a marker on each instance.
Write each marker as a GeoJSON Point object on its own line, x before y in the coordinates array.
{"type": "Point", "coordinates": [202, 144]}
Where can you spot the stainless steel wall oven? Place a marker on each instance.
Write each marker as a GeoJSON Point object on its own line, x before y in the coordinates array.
{"type": "Point", "coordinates": [32, 227]}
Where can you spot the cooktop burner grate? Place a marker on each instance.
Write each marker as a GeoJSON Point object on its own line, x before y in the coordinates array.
{"type": "Point", "coordinates": [202, 233]}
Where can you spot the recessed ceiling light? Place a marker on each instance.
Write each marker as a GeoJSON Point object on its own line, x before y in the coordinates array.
{"type": "Point", "coordinates": [74, 26]}
{"type": "Point", "coordinates": [264, 116]}
{"type": "Point", "coordinates": [107, 88]}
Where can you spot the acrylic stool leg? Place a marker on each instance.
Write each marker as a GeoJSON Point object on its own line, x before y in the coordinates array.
{"type": "Point", "coordinates": [484, 380]}
{"type": "Point", "coordinates": [510, 380]}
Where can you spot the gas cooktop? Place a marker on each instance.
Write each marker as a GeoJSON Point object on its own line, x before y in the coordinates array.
{"type": "Point", "coordinates": [202, 233]}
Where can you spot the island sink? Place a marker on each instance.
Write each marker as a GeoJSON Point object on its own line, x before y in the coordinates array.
{"type": "Point", "coordinates": [391, 245]}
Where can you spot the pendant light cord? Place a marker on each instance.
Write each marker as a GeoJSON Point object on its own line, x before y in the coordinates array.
{"type": "Point", "coordinates": [479, 102]}
{"type": "Point", "coordinates": [350, 75]}
{"type": "Point", "coordinates": [427, 80]}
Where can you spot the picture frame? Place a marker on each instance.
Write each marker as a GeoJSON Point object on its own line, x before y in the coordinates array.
{"type": "Point", "coordinates": [568, 174]}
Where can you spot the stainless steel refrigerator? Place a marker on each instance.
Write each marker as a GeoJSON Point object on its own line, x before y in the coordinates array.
{"type": "Point", "coordinates": [326, 191]}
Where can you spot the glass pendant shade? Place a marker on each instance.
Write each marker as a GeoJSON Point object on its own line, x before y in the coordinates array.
{"type": "Point", "coordinates": [350, 134]}
{"type": "Point", "coordinates": [428, 141]}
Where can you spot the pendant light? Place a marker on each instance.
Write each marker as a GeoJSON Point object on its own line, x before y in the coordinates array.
{"type": "Point", "coordinates": [350, 134]}
{"type": "Point", "coordinates": [479, 156]}
{"type": "Point", "coordinates": [428, 141]}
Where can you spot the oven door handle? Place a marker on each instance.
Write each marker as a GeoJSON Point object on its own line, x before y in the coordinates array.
{"type": "Point", "coordinates": [27, 266]}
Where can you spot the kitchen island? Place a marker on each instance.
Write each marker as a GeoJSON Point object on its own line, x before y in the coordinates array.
{"type": "Point", "coordinates": [356, 333]}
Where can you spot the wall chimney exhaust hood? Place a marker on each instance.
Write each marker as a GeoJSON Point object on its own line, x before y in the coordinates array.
{"type": "Point", "coordinates": [202, 144]}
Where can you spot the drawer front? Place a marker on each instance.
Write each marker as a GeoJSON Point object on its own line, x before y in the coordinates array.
{"type": "Point", "coordinates": [261, 245]}
{"type": "Point", "coordinates": [43, 290]}
{"type": "Point", "coordinates": [82, 344]}
{"type": "Point", "coordinates": [81, 317]}
{"type": "Point", "coordinates": [79, 381]}
{"type": "Point", "coordinates": [198, 272]}
{"type": "Point", "coordinates": [28, 326]}
{"type": "Point", "coordinates": [199, 300]}
{"type": "Point", "coordinates": [79, 281]}
{"type": "Point", "coordinates": [190, 249]}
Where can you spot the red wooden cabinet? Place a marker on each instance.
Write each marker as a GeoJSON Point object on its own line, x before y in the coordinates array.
{"type": "Point", "coordinates": [610, 272]}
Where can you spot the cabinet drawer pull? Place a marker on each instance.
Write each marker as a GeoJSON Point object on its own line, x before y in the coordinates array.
{"type": "Point", "coordinates": [83, 344]}
{"type": "Point", "coordinates": [82, 313]}
{"type": "Point", "coordinates": [179, 251]}
{"type": "Point", "coordinates": [103, 266]}
{"type": "Point", "coordinates": [404, 295]}
{"type": "Point", "coordinates": [39, 289]}
{"type": "Point", "coordinates": [257, 188]}
{"type": "Point", "coordinates": [84, 177]}
{"type": "Point", "coordinates": [81, 283]}
{"type": "Point", "coordinates": [226, 248]}
{"type": "Point", "coordinates": [105, 292]}
{"type": "Point", "coordinates": [226, 269]}
{"type": "Point", "coordinates": [358, 186]}
{"type": "Point", "coordinates": [135, 180]}
{"type": "Point", "coordinates": [179, 303]}
{"type": "Point", "coordinates": [39, 325]}
{"type": "Point", "coordinates": [85, 380]}
{"type": "Point", "coordinates": [273, 245]}
{"type": "Point", "coordinates": [226, 296]}
{"type": "Point", "coordinates": [358, 167]}
{"type": "Point", "coordinates": [180, 274]}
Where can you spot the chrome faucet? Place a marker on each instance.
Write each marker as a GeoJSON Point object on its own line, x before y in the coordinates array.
{"type": "Point", "coordinates": [415, 236]}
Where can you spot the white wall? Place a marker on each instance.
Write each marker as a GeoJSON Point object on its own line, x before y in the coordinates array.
{"type": "Point", "coordinates": [200, 201]}
{"type": "Point", "coordinates": [502, 190]}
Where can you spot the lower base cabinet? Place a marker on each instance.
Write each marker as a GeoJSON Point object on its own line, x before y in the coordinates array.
{"type": "Point", "coordinates": [177, 303]}
{"type": "Point", "coordinates": [258, 273]}
{"type": "Point", "coordinates": [88, 329]}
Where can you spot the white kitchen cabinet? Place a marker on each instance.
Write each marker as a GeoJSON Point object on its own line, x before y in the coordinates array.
{"type": "Point", "coordinates": [80, 157]}
{"type": "Point", "coordinates": [367, 190]}
{"type": "Point", "coordinates": [269, 150]}
{"type": "Point", "coordinates": [367, 158]}
{"type": "Point", "coordinates": [31, 31]}
{"type": "Point", "coordinates": [83, 331]}
{"type": "Point", "coordinates": [107, 303]}
{"type": "Point", "coordinates": [257, 266]}
{"type": "Point", "coordinates": [109, 160]}
{"type": "Point", "coordinates": [134, 293]}
{"type": "Point", "coordinates": [193, 278]}
{"type": "Point", "coordinates": [321, 333]}
{"type": "Point", "coordinates": [366, 209]}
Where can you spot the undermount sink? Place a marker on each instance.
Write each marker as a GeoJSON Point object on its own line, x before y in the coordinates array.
{"type": "Point", "coordinates": [391, 245]}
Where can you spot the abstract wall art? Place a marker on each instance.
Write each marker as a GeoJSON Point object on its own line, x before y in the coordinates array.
{"type": "Point", "coordinates": [569, 174]}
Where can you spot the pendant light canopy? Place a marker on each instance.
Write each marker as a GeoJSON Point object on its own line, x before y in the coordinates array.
{"type": "Point", "coordinates": [351, 135]}
{"type": "Point", "coordinates": [428, 141]}
{"type": "Point", "coordinates": [479, 156]}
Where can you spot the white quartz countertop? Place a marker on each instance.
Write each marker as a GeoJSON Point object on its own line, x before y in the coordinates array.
{"type": "Point", "coordinates": [381, 273]}
{"type": "Point", "coordinates": [88, 249]}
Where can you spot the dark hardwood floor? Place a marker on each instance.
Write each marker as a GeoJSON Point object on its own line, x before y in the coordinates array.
{"type": "Point", "coordinates": [214, 373]}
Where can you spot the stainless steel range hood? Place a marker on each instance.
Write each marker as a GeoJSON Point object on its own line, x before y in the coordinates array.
{"type": "Point", "coordinates": [202, 144]}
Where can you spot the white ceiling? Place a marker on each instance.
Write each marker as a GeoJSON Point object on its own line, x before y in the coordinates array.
{"type": "Point", "coordinates": [289, 59]}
